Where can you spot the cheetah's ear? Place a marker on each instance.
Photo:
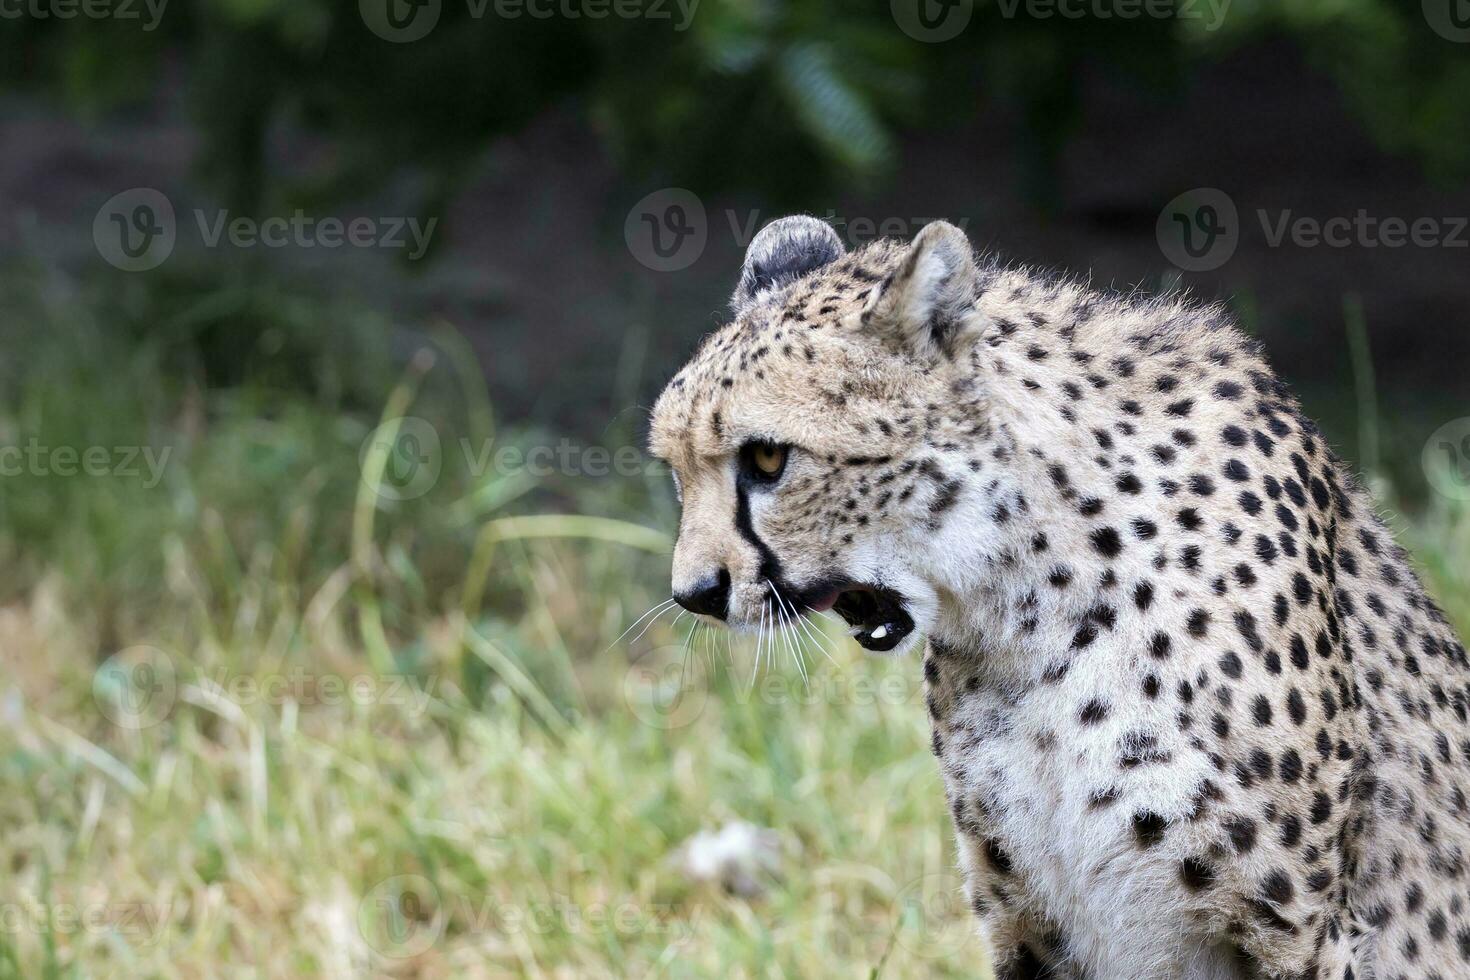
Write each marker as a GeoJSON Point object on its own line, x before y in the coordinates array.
{"type": "Point", "coordinates": [784, 250]}
{"type": "Point", "coordinates": [930, 298]}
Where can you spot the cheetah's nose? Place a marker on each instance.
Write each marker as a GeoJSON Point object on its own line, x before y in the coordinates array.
{"type": "Point", "coordinates": [711, 597]}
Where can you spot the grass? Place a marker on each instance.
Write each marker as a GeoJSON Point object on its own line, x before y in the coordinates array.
{"type": "Point", "coordinates": [262, 718]}
{"type": "Point", "coordinates": [265, 718]}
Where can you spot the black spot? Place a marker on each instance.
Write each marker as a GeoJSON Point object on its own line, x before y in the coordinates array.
{"type": "Point", "coordinates": [1093, 712]}
{"type": "Point", "coordinates": [1299, 656]}
{"type": "Point", "coordinates": [1261, 710]}
{"type": "Point", "coordinates": [1201, 485]}
{"type": "Point", "coordinates": [1199, 623]}
{"type": "Point", "coordinates": [1026, 966]}
{"type": "Point", "coordinates": [1196, 874]}
{"type": "Point", "coordinates": [1148, 828]}
{"type": "Point", "coordinates": [1106, 541]}
{"type": "Point", "coordinates": [1143, 595]}
{"type": "Point", "coordinates": [998, 858]}
{"type": "Point", "coordinates": [1242, 833]}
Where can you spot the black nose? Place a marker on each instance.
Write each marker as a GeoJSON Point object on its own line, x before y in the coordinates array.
{"type": "Point", "coordinates": [710, 597]}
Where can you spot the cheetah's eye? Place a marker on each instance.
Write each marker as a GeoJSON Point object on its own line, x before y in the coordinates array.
{"type": "Point", "coordinates": [763, 461]}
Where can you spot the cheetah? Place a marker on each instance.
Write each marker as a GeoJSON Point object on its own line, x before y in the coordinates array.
{"type": "Point", "coordinates": [1194, 712]}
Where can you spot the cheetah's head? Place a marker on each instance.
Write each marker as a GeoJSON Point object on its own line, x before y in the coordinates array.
{"type": "Point", "coordinates": [803, 434]}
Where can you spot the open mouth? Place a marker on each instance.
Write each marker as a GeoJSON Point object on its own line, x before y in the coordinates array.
{"type": "Point", "coordinates": [875, 614]}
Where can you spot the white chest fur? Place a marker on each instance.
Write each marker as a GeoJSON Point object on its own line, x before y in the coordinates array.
{"type": "Point", "coordinates": [1045, 795]}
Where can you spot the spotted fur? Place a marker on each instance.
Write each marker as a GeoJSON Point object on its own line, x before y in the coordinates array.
{"type": "Point", "coordinates": [1195, 714]}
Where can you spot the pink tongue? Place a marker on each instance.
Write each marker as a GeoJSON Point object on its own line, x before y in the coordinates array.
{"type": "Point", "coordinates": [825, 603]}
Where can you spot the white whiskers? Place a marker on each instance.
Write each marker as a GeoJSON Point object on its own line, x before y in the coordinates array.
{"type": "Point", "coordinates": [656, 613]}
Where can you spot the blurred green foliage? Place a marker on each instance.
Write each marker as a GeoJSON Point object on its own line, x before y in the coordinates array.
{"type": "Point", "coordinates": [779, 97]}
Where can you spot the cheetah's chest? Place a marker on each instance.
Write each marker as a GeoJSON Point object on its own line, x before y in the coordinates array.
{"type": "Point", "coordinates": [1043, 801]}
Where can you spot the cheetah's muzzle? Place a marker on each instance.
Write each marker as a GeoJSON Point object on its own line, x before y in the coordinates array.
{"type": "Point", "coordinates": [876, 615]}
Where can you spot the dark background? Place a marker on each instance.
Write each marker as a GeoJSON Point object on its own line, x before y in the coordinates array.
{"type": "Point", "coordinates": [1054, 140]}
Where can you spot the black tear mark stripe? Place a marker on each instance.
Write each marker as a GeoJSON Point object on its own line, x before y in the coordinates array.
{"type": "Point", "coordinates": [770, 567]}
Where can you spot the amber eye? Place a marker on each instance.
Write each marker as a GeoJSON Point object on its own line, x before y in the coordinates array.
{"type": "Point", "coordinates": [764, 461]}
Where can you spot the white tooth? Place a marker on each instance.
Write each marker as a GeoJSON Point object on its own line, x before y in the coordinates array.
{"type": "Point", "coordinates": [880, 632]}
